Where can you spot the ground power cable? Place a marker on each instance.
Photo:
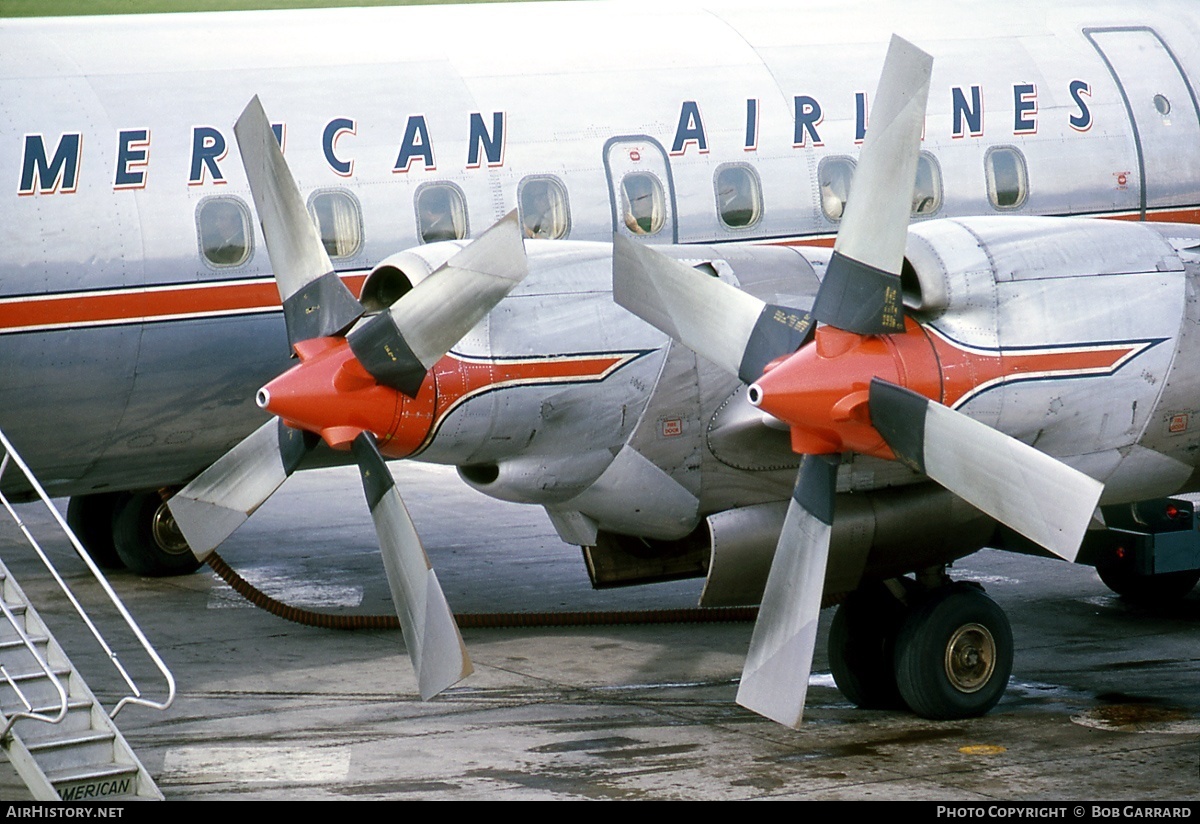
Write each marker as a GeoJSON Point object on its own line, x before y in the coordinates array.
{"type": "Point", "coordinates": [471, 620]}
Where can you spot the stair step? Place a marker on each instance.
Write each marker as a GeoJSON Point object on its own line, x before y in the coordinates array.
{"type": "Point", "coordinates": [37, 688]}
{"type": "Point", "coordinates": [61, 672]}
{"type": "Point", "coordinates": [77, 719]}
{"type": "Point", "coordinates": [8, 631]}
{"type": "Point", "coordinates": [95, 781]}
{"type": "Point", "coordinates": [74, 750]}
{"type": "Point", "coordinates": [16, 657]}
{"type": "Point", "coordinates": [78, 739]}
{"type": "Point", "coordinates": [16, 643]}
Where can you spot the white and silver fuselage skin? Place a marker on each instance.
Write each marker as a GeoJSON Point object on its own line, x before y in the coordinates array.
{"type": "Point", "coordinates": [129, 361]}
{"type": "Point", "coordinates": [1075, 336]}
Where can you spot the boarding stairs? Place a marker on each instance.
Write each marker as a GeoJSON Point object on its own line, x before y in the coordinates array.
{"type": "Point", "coordinates": [63, 743]}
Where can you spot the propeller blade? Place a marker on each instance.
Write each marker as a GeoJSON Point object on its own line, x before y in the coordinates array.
{"type": "Point", "coordinates": [315, 301]}
{"type": "Point", "coordinates": [430, 633]}
{"type": "Point", "coordinates": [222, 497]}
{"type": "Point", "coordinates": [399, 346]}
{"type": "Point", "coordinates": [718, 321]}
{"type": "Point", "coordinates": [861, 289]}
{"type": "Point", "coordinates": [1040, 497]}
{"type": "Point", "coordinates": [775, 677]}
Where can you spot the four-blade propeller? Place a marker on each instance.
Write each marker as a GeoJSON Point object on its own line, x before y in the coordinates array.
{"type": "Point", "coordinates": [830, 384]}
{"type": "Point", "coordinates": [867, 382]}
{"type": "Point", "coordinates": [390, 352]}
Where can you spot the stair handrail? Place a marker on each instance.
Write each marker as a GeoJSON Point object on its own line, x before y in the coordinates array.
{"type": "Point", "coordinates": [136, 697]}
{"type": "Point", "coordinates": [29, 711]}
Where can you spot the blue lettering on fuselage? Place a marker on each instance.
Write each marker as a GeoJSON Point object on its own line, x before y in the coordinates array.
{"type": "Point", "coordinates": [968, 116]}
{"type": "Point", "coordinates": [690, 131]}
{"type": "Point", "coordinates": [133, 153]}
{"type": "Point", "coordinates": [1081, 121]}
{"type": "Point", "coordinates": [751, 143]}
{"type": "Point", "coordinates": [60, 174]}
{"type": "Point", "coordinates": [46, 172]}
{"type": "Point", "coordinates": [333, 130]}
{"type": "Point", "coordinates": [1025, 108]}
{"type": "Point", "coordinates": [860, 117]}
{"type": "Point", "coordinates": [808, 117]}
{"type": "Point", "coordinates": [416, 145]}
{"type": "Point", "coordinates": [492, 143]}
{"type": "Point", "coordinates": [208, 147]}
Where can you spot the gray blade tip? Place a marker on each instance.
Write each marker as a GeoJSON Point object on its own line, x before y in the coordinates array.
{"type": "Point", "coordinates": [253, 107]}
{"type": "Point", "coordinates": [909, 50]}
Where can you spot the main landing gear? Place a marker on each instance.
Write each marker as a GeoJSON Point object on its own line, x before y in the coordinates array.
{"type": "Point", "coordinates": [131, 529]}
{"type": "Point", "coordinates": [944, 651]}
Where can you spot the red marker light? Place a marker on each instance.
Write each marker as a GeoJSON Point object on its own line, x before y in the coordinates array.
{"type": "Point", "coordinates": [1172, 511]}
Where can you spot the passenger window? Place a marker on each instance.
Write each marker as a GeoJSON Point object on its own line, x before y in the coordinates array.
{"type": "Point", "coordinates": [644, 203]}
{"type": "Point", "coordinates": [441, 212]}
{"type": "Point", "coordinates": [833, 176]}
{"type": "Point", "coordinates": [739, 196]}
{"type": "Point", "coordinates": [543, 207]}
{"type": "Point", "coordinates": [339, 221]}
{"type": "Point", "coordinates": [1007, 179]}
{"type": "Point", "coordinates": [224, 226]}
{"type": "Point", "coordinates": [927, 194]}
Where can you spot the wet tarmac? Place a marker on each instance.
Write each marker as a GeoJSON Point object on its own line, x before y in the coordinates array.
{"type": "Point", "coordinates": [1104, 702]}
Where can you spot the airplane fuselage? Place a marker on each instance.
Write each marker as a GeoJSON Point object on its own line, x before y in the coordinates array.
{"type": "Point", "coordinates": [144, 340]}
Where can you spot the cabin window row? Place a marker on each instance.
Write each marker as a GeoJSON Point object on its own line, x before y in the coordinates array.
{"type": "Point", "coordinates": [226, 240]}
{"type": "Point", "coordinates": [1004, 168]}
{"type": "Point", "coordinates": [441, 213]}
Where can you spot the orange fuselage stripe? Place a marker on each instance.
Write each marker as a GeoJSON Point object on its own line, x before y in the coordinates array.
{"type": "Point", "coordinates": [150, 303]}
{"type": "Point", "coordinates": [215, 298]}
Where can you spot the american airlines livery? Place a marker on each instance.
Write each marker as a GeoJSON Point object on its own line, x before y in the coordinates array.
{"type": "Point", "coordinates": [428, 208]}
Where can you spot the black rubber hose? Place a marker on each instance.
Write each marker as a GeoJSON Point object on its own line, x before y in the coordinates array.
{"type": "Point", "coordinates": [696, 615]}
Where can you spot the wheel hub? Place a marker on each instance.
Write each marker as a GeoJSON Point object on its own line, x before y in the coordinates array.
{"type": "Point", "coordinates": [970, 657]}
{"type": "Point", "coordinates": [167, 533]}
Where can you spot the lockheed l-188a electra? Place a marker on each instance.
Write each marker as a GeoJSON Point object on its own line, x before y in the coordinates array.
{"type": "Point", "coordinates": [159, 265]}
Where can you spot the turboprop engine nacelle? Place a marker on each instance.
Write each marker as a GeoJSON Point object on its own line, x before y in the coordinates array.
{"type": "Point", "coordinates": [396, 274]}
{"type": "Point", "coordinates": [622, 455]}
{"type": "Point", "coordinates": [1067, 334]}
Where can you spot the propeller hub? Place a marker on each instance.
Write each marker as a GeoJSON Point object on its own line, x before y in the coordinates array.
{"type": "Point", "coordinates": [329, 393]}
{"type": "Point", "coordinates": [822, 390]}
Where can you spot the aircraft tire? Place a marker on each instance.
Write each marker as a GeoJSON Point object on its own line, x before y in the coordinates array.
{"type": "Point", "coordinates": [147, 539]}
{"type": "Point", "coordinates": [91, 519]}
{"type": "Point", "coordinates": [862, 643]}
{"type": "Point", "coordinates": [954, 654]}
{"type": "Point", "coordinates": [1147, 590]}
